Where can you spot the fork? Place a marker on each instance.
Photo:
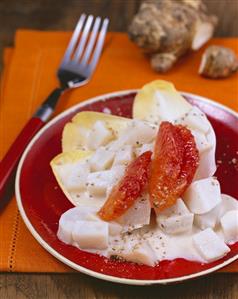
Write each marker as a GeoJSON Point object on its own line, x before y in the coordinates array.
{"type": "Point", "coordinates": [76, 68]}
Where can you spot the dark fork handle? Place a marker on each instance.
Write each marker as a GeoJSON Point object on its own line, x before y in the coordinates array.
{"type": "Point", "coordinates": [9, 162]}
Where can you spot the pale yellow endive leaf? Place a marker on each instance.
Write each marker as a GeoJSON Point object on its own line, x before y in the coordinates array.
{"type": "Point", "coordinates": [159, 101]}
{"type": "Point", "coordinates": [75, 133]}
{"type": "Point", "coordinates": [62, 162]}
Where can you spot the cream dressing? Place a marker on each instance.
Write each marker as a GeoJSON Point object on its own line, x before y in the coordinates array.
{"type": "Point", "coordinates": [148, 244]}
{"type": "Point", "coordinates": [131, 237]}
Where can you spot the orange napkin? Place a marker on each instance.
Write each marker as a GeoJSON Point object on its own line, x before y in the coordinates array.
{"type": "Point", "coordinates": [29, 76]}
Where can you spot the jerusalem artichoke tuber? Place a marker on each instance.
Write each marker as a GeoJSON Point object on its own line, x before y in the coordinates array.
{"type": "Point", "coordinates": [167, 29]}
{"type": "Point", "coordinates": [218, 62]}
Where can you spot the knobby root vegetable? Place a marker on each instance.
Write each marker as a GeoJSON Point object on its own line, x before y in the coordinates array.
{"type": "Point", "coordinates": [167, 29]}
{"type": "Point", "coordinates": [218, 62]}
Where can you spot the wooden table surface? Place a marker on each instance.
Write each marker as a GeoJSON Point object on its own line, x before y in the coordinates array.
{"type": "Point", "coordinates": [62, 15]}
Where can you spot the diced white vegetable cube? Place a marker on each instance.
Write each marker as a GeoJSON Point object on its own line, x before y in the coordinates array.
{"type": "Point", "coordinates": [228, 203]}
{"type": "Point", "coordinates": [176, 219]}
{"type": "Point", "coordinates": [209, 245]}
{"type": "Point", "coordinates": [99, 182]}
{"type": "Point", "coordinates": [176, 224]}
{"type": "Point", "coordinates": [90, 234]}
{"type": "Point", "coordinates": [142, 132]}
{"type": "Point", "coordinates": [101, 160]}
{"type": "Point", "coordinates": [195, 119]}
{"type": "Point", "coordinates": [134, 251]}
{"type": "Point", "coordinates": [203, 195]}
{"type": "Point", "coordinates": [212, 218]}
{"type": "Point", "coordinates": [176, 246]}
{"type": "Point", "coordinates": [73, 175]}
{"type": "Point", "coordinates": [97, 187]}
{"type": "Point", "coordinates": [179, 208]}
{"type": "Point", "coordinates": [68, 219]}
{"type": "Point", "coordinates": [65, 231]}
{"type": "Point", "coordinates": [99, 135]}
{"type": "Point", "coordinates": [142, 254]}
{"type": "Point", "coordinates": [137, 133]}
{"type": "Point", "coordinates": [138, 215]}
{"type": "Point", "coordinates": [91, 217]}
{"type": "Point", "coordinates": [229, 223]}
{"type": "Point", "coordinates": [209, 219]}
{"type": "Point", "coordinates": [201, 141]}
{"type": "Point", "coordinates": [124, 155]}
{"type": "Point", "coordinates": [76, 178]}
{"type": "Point", "coordinates": [144, 148]}
{"type": "Point", "coordinates": [118, 172]}
{"type": "Point", "coordinates": [207, 163]}
{"type": "Point", "coordinates": [115, 145]}
{"type": "Point", "coordinates": [114, 174]}
{"type": "Point", "coordinates": [85, 198]}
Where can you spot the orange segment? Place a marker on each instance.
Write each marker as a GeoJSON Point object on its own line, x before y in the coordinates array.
{"type": "Point", "coordinates": [130, 187]}
{"type": "Point", "coordinates": [174, 165]}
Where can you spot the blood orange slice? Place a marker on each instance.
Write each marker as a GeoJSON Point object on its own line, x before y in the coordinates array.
{"type": "Point", "coordinates": [130, 187]}
{"type": "Point", "coordinates": [174, 165]}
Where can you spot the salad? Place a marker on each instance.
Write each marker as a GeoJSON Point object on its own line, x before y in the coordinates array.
{"type": "Point", "coordinates": [144, 188]}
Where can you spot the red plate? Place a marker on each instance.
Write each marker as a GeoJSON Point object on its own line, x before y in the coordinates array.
{"type": "Point", "coordinates": [41, 202]}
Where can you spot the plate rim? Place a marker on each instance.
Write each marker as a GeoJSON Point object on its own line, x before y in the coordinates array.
{"type": "Point", "coordinates": [66, 261]}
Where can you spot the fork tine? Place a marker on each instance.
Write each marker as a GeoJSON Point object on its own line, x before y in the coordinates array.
{"type": "Point", "coordinates": [83, 38]}
{"type": "Point", "coordinates": [91, 42]}
{"type": "Point", "coordinates": [74, 39]}
{"type": "Point", "coordinates": [99, 45]}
